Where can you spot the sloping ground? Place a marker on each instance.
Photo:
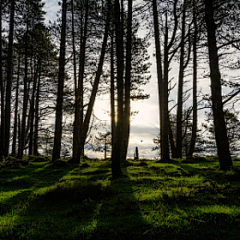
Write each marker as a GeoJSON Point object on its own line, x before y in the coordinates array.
{"type": "Point", "coordinates": [152, 200]}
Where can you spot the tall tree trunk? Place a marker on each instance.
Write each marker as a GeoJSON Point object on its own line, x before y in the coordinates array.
{"type": "Point", "coordinates": [180, 87]}
{"type": "Point", "coordinates": [127, 110]}
{"type": "Point", "coordinates": [25, 98]}
{"type": "Point", "coordinates": [14, 143]}
{"type": "Point", "coordinates": [118, 142]}
{"type": "Point", "coordinates": [78, 124]}
{"type": "Point", "coordinates": [61, 73]}
{"type": "Point", "coordinates": [19, 133]}
{"type": "Point", "coordinates": [194, 122]}
{"type": "Point", "coordinates": [32, 111]}
{"type": "Point", "coordinates": [159, 68]}
{"type": "Point", "coordinates": [9, 80]}
{"type": "Point", "coordinates": [216, 90]}
{"type": "Point", "coordinates": [35, 144]}
{"type": "Point", "coordinates": [94, 92]}
{"type": "Point", "coordinates": [165, 118]}
{"type": "Point", "coordinates": [2, 86]}
{"type": "Point", "coordinates": [112, 92]}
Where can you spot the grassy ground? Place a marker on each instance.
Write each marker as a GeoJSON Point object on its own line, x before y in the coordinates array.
{"type": "Point", "coordinates": [177, 200]}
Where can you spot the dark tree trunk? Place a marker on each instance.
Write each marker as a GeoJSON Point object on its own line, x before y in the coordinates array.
{"type": "Point", "coordinates": [194, 122]}
{"type": "Point", "coordinates": [159, 69]}
{"type": "Point", "coordinates": [2, 85]}
{"type": "Point", "coordinates": [25, 98]}
{"type": "Point", "coordinates": [58, 121]}
{"type": "Point", "coordinates": [14, 143]}
{"type": "Point", "coordinates": [165, 120]}
{"type": "Point", "coordinates": [75, 132]}
{"type": "Point", "coordinates": [9, 80]}
{"type": "Point", "coordinates": [127, 109]}
{"type": "Point", "coordinates": [217, 105]}
{"type": "Point", "coordinates": [112, 95]}
{"type": "Point", "coordinates": [78, 124]}
{"type": "Point", "coordinates": [19, 133]}
{"type": "Point", "coordinates": [93, 93]}
{"type": "Point", "coordinates": [180, 88]}
{"type": "Point", "coordinates": [32, 111]}
{"type": "Point", "coordinates": [35, 144]}
{"type": "Point", "coordinates": [171, 140]}
{"type": "Point", "coordinates": [118, 141]}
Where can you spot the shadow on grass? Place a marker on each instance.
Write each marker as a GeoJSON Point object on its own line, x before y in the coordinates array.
{"type": "Point", "coordinates": [96, 207]}
{"type": "Point", "coordinates": [120, 216]}
{"type": "Point", "coordinates": [17, 185]}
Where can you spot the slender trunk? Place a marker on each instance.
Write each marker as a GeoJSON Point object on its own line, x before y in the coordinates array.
{"type": "Point", "coordinates": [165, 118]}
{"type": "Point", "coordinates": [118, 141]}
{"type": "Point", "coordinates": [9, 80]}
{"type": "Point", "coordinates": [25, 98]}
{"type": "Point", "coordinates": [194, 122]}
{"type": "Point", "coordinates": [16, 112]}
{"type": "Point", "coordinates": [159, 68]}
{"type": "Point", "coordinates": [75, 131]}
{"type": "Point", "coordinates": [180, 88]}
{"type": "Point", "coordinates": [171, 140]}
{"type": "Point", "coordinates": [32, 112]}
{"type": "Point", "coordinates": [93, 93]}
{"type": "Point", "coordinates": [216, 90]}
{"type": "Point", "coordinates": [19, 133]}
{"type": "Point", "coordinates": [35, 147]}
{"type": "Point", "coordinates": [127, 111]}
{"type": "Point", "coordinates": [58, 120]}
{"type": "Point", "coordinates": [112, 96]}
{"type": "Point", "coordinates": [79, 94]}
{"type": "Point", "coordinates": [2, 85]}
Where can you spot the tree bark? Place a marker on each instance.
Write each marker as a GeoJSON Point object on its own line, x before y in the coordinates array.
{"type": "Point", "coordinates": [25, 97]}
{"type": "Point", "coordinates": [35, 140]}
{"type": "Point", "coordinates": [2, 86]}
{"type": "Point", "coordinates": [165, 143]}
{"type": "Point", "coordinates": [194, 122]}
{"type": "Point", "coordinates": [14, 143]}
{"type": "Point", "coordinates": [32, 111]}
{"type": "Point", "coordinates": [58, 120]}
{"type": "Point", "coordinates": [159, 69]}
{"type": "Point", "coordinates": [118, 141]}
{"type": "Point", "coordinates": [217, 105]}
{"type": "Point", "coordinates": [78, 123]}
{"type": "Point", "coordinates": [9, 80]}
{"type": "Point", "coordinates": [112, 91]}
{"type": "Point", "coordinates": [180, 87]}
{"type": "Point", "coordinates": [127, 110]}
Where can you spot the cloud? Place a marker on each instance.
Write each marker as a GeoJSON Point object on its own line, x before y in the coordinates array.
{"type": "Point", "coordinates": [51, 8]}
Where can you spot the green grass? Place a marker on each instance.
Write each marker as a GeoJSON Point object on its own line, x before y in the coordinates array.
{"type": "Point", "coordinates": [178, 200]}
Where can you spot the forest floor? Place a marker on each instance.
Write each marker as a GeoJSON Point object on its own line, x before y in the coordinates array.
{"type": "Point", "coordinates": [153, 200]}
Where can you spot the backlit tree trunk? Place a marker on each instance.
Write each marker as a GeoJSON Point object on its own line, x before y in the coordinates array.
{"type": "Point", "coordinates": [216, 90]}
{"type": "Point", "coordinates": [9, 80]}
{"type": "Point", "coordinates": [61, 73]}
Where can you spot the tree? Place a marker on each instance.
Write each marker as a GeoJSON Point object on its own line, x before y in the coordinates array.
{"type": "Point", "coordinates": [61, 75]}
{"type": "Point", "coordinates": [9, 82]}
{"type": "Point", "coordinates": [103, 143]}
{"type": "Point", "coordinates": [215, 76]}
{"type": "Point", "coordinates": [86, 121]}
{"type": "Point", "coordinates": [163, 72]}
{"type": "Point", "coordinates": [127, 109]}
{"type": "Point", "coordinates": [195, 40]}
{"type": "Point", "coordinates": [118, 141]}
{"type": "Point", "coordinates": [233, 132]}
{"type": "Point", "coordinates": [78, 123]}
